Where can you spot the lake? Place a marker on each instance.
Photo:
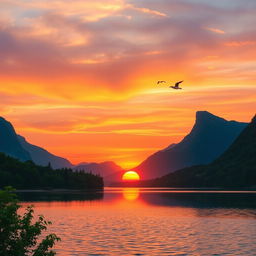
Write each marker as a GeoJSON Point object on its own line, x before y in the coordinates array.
{"type": "Point", "coordinates": [146, 221]}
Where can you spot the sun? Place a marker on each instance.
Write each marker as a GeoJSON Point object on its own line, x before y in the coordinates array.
{"type": "Point", "coordinates": [131, 176]}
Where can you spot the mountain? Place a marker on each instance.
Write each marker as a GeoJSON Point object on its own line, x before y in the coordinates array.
{"type": "Point", "coordinates": [16, 146]}
{"type": "Point", "coordinates": [9, 143]}
{"type": "Point", "coordinates": [42, 157]}
{"type": "Point", "coordinates": [110, 171]}
{"type": "Point", "coordinates": [208, 139]}
{"type": "Point", "coordinates": [236, 167]}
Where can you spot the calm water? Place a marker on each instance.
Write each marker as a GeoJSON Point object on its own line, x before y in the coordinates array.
{"type": "Point", "coordinates": [130, 221]}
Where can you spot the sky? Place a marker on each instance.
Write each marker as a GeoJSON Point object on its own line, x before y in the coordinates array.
{"type": "Point", "coordinates": [79, 77]}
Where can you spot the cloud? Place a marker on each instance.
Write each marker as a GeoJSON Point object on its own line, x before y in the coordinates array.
{"type": "Point", "coordinates": [216, 30]}
{"type": "Point", "coordinates": [240, 43]}
{"type": "Point", "coordinates": [94, 131]}
{"type": "Point", "coordinates": [85, 71]}
{"type": "Point", "coordinates": [56, 46]}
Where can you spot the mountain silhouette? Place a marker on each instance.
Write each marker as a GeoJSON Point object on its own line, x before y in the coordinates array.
{"type": "Point", "coordinates": [208, 139]}
{"type": "Point", "coordinates": [16, 146]}
{"type": "Point", "coordinates": [42, 157]}
{"type": "Point", "coordinates": [110, 171]}
{"type": "Point", "coordinates": [9, 143]}
{"type": "Point", "coordinates": [236, 167]}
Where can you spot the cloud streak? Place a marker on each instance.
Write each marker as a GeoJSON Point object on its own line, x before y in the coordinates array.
{"type": "Point", "coordinates": [88, 68]}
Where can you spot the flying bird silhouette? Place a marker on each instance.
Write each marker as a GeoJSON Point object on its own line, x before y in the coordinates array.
{"type": "Point", "coordinates": [176, 87]}
{"type": "Point", "coordinates": [160, 82]}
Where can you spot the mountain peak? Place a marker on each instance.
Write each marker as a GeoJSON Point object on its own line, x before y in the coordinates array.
{"type": "Point", "coordinates": [254, 119]}
{"type": "Point", "coordinates": [9, 141]}
{"type": "Point", "coordinates": [2, 119]}
{"type": "Point", "coordinates": [209, 138]}
{"type": "Point", "coordinates": [235, 168]}
{"type": "Point", "coordinates": [205, 118]}
{"type": "Point", "coordinates": [205, 115]}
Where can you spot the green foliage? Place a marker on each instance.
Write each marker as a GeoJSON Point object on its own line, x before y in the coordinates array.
{"type": "Point", "coordinates": [27, 175]}
{"type": "Point", "coordinates": [19, 234]}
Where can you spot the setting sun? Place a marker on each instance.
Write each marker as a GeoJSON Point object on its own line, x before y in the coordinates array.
{"type": "Point", "coordinates": [131, 175]}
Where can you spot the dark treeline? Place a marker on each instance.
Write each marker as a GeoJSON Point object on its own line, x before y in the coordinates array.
{"type": "Point", "coordinates": [27, 175]}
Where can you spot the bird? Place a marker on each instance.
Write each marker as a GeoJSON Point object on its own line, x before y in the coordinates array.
{"type": "Point", "coordinates": [160, 82]}
{"type": "Point", "coordinates": [176, 87]}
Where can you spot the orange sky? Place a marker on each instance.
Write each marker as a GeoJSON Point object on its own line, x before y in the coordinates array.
{"type": "Point", "coordinates": [79, 77]}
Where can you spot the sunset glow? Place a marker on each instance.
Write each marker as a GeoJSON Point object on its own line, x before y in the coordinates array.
{"type": "Point", "coordinates": [130, 125]}
{"type": "Point", "coordinates": [131, 194]}
{"type": "Point", "coordinates": [79, 78]}
{"type": "Point", "coordinates": [131, 176]}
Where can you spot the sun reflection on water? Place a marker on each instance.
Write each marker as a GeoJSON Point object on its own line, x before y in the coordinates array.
{"type": "Point", "coordinates": [150, 221]}
{"type": "Point", "coordinates": [131, 194]}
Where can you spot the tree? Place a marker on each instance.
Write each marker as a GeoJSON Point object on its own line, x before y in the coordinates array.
{"type": "Point", "coordinates": [19, 234]}
{"type": "Point", "coordinates": [27, 175]}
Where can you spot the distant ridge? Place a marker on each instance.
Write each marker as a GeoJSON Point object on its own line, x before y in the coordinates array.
{"type": "Point", "coordinates": [110, 171]}
{"type": "Point", "coordinates": [42, 157]}
{"type": "Point", "coordinates": [209, 138]}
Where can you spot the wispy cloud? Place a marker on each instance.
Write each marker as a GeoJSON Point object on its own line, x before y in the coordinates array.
{"type": "Point", "coordinates": [85, 71]}
{"type": "Point", "coordinates": [216, 30]}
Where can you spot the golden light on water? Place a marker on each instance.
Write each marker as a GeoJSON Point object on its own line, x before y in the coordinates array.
{"type": "Point", "coordinates": [131, 194]}
{"type": "Point", "coordinates": [131, 176]}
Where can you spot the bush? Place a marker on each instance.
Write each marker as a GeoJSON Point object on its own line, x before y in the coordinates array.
{"type": "Point", "coordinates": [19, 234]}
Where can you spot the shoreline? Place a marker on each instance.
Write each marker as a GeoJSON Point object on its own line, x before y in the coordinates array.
{"type": "Point", "coordinates": [142, 189]}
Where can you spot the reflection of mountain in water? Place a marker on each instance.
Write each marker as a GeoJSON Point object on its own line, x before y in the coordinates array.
{"type": "Point", "coordinates": [199, 203]}
{"type": "Point", "coordinates": [60, 196]}
{"type": "Point", "coordinates": [202, 199]}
